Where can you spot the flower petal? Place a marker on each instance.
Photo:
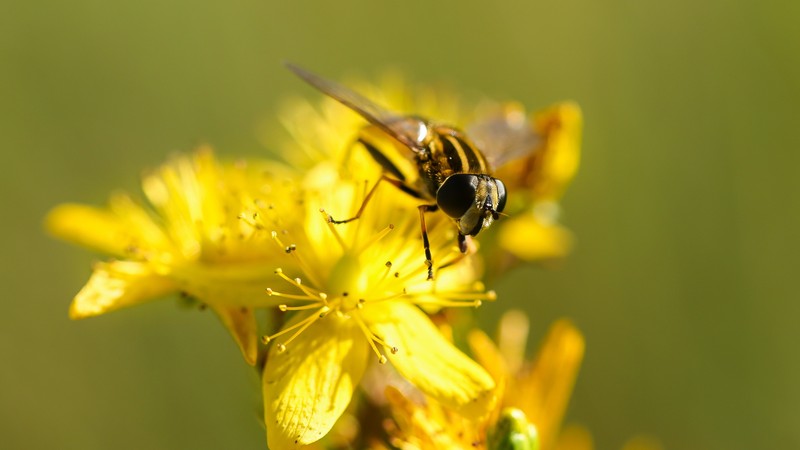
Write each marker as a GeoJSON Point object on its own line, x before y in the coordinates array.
{"type": "Point", "coordinates": [429, 361]}
{"type": "Point", "coordinates": [114, 230]}
{"type": "Point", "coordinates": [487, 354]}
{"type": "Point", "coordinates": [309, 385]}
{"type": "Point", "coordinates": [118, 284]}
{"type": "Point", "coordinates": [232, 284]}
{"type": "Point", "coordinates": [88, 226]}
{"type": "Point", "coordinates": [546, 172]}
{"type": "Point", "coordinates": [561, 126]}
{"type": "Point", "coordinates": [241, 323]}
{"type": "Point", "coordinates": [544, 393]}
{"type": "Point", "coordinates": [530, 239]}
{"type": "Point", "coordinates": [428, 425]}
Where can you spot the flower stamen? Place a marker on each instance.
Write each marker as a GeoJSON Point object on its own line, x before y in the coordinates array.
{"type": "Point", "coordinates": [386, 272]}
{"type": "Point", "coordinates": [452, 299]}
{"type": "Point", "coordinates": [253, 221]}
{"type": "Point", "coordinates": [332, 226]}
{"type": "Point", "coordinates": [299, 326]}
{"type": "Point", "coordinates": [273, 293]}
{"type": "Point", "coordinates": [292, 250]}
{"type": "Point", "coordinates": [470, 296]}
{"type": "Point", "coordinates": [388, 297]}
{"type": "Point", "coordinates": [377, 237]}
{"type": "Point", "coordinates": [391, 348]}
{"type": "Point", "coordinates": [412, 275]}
{"type": "Point", "coordinates": [298, 283]}
{"type": "Point", "coordinates": [314, 317]}
{"type": "Point", "coordinates": [371, 338]}
{"type": "Point", "coordinates": [285, 308]}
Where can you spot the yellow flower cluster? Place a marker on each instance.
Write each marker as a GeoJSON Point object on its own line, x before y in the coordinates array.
{"type": "Point", "coordinates": [189, 237]}
{"type": "Point", "coordinates": [532, 398]}
{"type": "Point", "coordinates": [531, 395]}
{"type": "Point", "coordinates": [349, 298]}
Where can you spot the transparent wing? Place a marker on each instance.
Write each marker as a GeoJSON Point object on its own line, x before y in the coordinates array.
{"type": "Point", "coordinates": [408, 131]}
{"type": "Point", "coordinates": [504, 137]}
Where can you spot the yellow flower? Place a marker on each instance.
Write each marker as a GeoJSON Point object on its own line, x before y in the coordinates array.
{"type": "Point", "coordinates": [355, 292]}
{"type": "Point", "coordinates": [191, 238]}
{"type": "Point", "coordinates": [328, 132]}
{"type": "Point", "coordinates": [537, 182]}
{"type": "Point", "coordinates": [218, 232]}
{"type": "Point", "coordinates": [540, 389]}
{"type": "Point", "coordinates": [544, 174]}
{"type": "Point", "coordinates": [534, 394]}
{"type": "Point", "coordinates": [429, 426]}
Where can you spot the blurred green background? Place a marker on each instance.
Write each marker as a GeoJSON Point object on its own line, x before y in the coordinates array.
{"type": "Point", "coordinates": [686, 208]}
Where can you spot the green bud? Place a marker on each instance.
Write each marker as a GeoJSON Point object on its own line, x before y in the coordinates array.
{"type": "Point", "coordinates": [513, 432]}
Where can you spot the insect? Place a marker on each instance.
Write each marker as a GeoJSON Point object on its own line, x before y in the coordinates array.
{"type": "Point", "coordinates": [452, 173]}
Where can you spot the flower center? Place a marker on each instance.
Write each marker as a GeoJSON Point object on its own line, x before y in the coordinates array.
{"type": "Point", "coordinates": [345, 280]}
{"type": "Point", "coordinates": [355, 280]}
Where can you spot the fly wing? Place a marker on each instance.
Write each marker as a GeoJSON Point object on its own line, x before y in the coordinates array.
{"type": "Point", "coordinates": [405, 130]}
{"type": "Point", "coordinates": [504, 137]}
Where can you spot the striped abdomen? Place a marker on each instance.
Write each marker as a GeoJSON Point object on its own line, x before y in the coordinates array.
{"type": "Point", "coordinates": [451, 152]}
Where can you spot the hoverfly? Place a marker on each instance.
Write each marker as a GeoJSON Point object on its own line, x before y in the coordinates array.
{"type": "Point", "coordinates": [453, 174]}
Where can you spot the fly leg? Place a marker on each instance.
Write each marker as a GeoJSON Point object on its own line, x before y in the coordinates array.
{"type": "Point", "coordinates": [466, 247]}
{"type": "Point", "coordinates": [462, 243]}
{"type": "Point", "coordinates": [422, 210]}
{"type": "Point", "coordinates": [361, 208]}
{"type": "Point", "coordinates": [428, 260]}
{"type": "Point", "coordinates": [396, 183]}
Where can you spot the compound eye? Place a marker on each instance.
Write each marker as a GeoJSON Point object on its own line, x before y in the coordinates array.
{"type": "Point", "coordinates": [501, 195]}
{"type": "Point", "coordinates": [457, 194]}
